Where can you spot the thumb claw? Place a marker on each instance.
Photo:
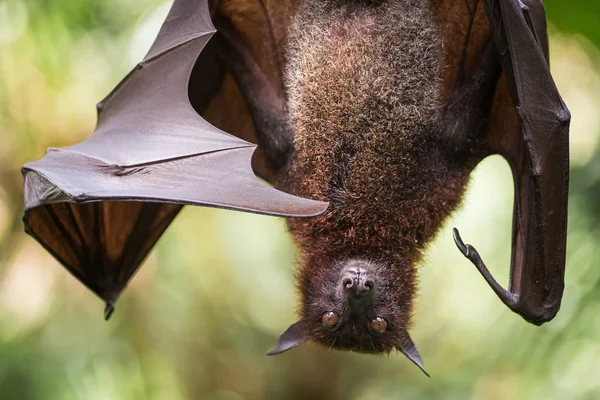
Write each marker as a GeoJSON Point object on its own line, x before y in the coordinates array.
{"type": "Point", "coordinates": [459, 243]}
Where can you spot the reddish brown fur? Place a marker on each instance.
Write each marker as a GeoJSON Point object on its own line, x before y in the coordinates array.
{"type": "Point", "coordinates": [365, 97]}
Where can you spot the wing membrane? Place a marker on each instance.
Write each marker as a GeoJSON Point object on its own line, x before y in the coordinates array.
{"type": "Point", "coordinates": [99, 206]}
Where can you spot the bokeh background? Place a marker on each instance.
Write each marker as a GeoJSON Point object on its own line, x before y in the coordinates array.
{"type": "Point", "coordinates": [216, 292]}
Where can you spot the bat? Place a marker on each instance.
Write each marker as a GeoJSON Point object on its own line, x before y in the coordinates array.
{"type": "Point", "coordinates": [377, 110]}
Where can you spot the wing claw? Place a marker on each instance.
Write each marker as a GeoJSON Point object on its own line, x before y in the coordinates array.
{"type": "Point", "coordinates": [472, 255]}
{"type": "Point", "coordinates": [108, 310]}
{"type": "Point", "coordinates": [459, 243]}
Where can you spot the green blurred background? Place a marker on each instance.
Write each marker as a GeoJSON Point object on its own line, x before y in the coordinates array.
{"type": "Point", "coordinates": [214, 295]}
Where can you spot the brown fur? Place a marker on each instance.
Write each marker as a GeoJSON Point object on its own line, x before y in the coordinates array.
{"type": "Point", "coordinates": [365, 98]}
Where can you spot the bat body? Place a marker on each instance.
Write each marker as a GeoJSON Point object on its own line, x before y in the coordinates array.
{"type": "Point", "coordinates": [365, 100]}
{"type": "Point", "coordinates": [377, 110]}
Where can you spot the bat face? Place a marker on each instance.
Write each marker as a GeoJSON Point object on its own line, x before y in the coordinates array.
{"type": "Point", "coordinates": [358, 304]}
{"type": "Point", "coordinates": [353, 307]}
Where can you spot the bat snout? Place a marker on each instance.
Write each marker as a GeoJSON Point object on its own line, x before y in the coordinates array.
{"type": "Point", "coordinates": [357, 285]}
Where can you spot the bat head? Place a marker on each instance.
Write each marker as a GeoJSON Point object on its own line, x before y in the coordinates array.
{"type": "Point", "coordinates": [352, 306]}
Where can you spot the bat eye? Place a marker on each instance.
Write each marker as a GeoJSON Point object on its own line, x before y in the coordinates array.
{"type": "Point", "coordinates": [379, 325]}
{"type": "Point", "coordinates": [330, 319]}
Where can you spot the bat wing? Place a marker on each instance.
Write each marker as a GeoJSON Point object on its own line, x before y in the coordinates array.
{"type": "Point", "coordinates": [99, 206]}
{"type": "Point", "coordinates": [251, 43]}
{"type": "Point", "coordinates": [528, 125]}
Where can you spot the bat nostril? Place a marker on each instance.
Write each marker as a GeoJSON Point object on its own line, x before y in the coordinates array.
{"type": "Point", "coordinates": [369, 284]}
{"type": "Point", "coordinates": [347, 282]}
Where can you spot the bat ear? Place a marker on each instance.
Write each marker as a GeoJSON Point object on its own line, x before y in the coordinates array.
{"type": "Point", "coordinates": [408, 348]}
{"type": "Point", "coordinates": [292, 337]}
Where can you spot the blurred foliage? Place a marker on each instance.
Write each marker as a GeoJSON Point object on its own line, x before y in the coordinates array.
{"type": "Point", "coordinates": [575, 17]}
{"type": "Point", "coordinates": [198, 318]}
